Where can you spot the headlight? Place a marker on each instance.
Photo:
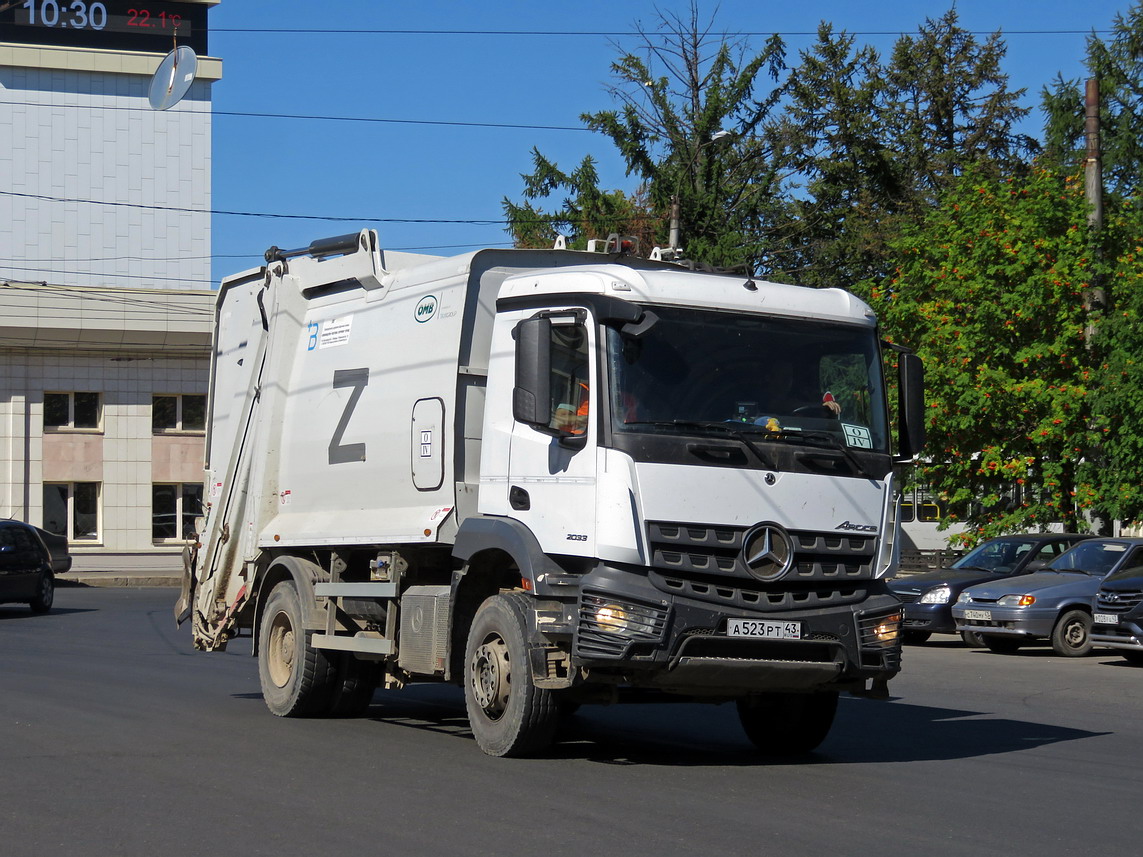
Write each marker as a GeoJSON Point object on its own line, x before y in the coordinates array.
{"type": "Point", "coordinates": [1017, 601]}
{"type": "Point", "coordinates": [612, 617]}
{"type": "Point", "coordinates": [937, 595]}
{"type": "Point", "coordinates": [964, 598]}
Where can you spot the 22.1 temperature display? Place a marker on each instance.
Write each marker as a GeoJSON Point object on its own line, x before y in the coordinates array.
{"type": "Point", "coordinates": [80, 15]}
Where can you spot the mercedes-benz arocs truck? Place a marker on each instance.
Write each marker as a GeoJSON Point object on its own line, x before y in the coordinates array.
{"type": "Point", "coordinates": [552, 478]}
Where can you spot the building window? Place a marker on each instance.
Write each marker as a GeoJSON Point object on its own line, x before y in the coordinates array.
{"type": "Point", "coordinates": [178, 413]}
{"type": "Point", "coordinates": [173, 510]}
{"type": "Point", "coordinates": [72, 410]}
{"type": "Point", "coordinates": [71, 509]}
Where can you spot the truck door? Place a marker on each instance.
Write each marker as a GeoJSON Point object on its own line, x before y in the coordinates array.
{"type": "Point", "coordinates": [552, 466]}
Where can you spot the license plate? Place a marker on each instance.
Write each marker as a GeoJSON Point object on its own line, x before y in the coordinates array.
{"type": "Point", "coordinates": [763, 629]}
{"type": "Point", "coordinates": [1105, 619]}
{"type": "Point", "coordinates": [978, 615]}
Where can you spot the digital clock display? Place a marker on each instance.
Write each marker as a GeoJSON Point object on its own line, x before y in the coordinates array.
{"type": "Point", "coordinates": [112, 24]}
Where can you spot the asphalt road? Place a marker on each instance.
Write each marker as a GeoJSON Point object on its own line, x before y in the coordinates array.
{"type": "Point", "coordinates": [116, 738]}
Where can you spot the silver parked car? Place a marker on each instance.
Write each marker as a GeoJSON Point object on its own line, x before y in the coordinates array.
{"type": "Point", "coordinates": [1053, 604]}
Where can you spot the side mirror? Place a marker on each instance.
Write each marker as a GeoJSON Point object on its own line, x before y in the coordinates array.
{"type": "Point", "coordinates": [531, 397]}
{"type": "Point", "coordinates": [910, 405]}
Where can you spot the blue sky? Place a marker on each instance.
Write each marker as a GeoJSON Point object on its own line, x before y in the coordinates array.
{"type": "Point", "coordinates": [379, 171]}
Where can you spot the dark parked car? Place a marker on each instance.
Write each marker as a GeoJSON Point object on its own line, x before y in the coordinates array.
{"type": "Point", "coordinates": [1053, 604]}
{"type": "Point", "coordinates": [29, 560]}
{"type": "Point", "coordinates": [928, 597]}
{"type": "Point", "coordinates": [1118, 618]}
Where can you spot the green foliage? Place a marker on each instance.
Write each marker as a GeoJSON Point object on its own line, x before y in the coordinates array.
{"type": "Point", "coordinates": [686, 129]}
{"type": "Point", "coordinates": [988, 291]}
{"type": "Point", "coordinates": [1116, 470]}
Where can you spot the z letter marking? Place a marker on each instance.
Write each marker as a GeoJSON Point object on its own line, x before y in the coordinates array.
{"type": "Point", "coordinates": [342, 453]}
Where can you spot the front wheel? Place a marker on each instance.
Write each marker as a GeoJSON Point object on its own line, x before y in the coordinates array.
{"type": "Point", "coordinates": [508, 714]}
{"type": "Point", "coordinates": [1072, 635]}
{"type": "Point", "coordinates": [787, 724]}
{"type": "Point", "coordinates": [971, 638]}
{"type": "Point", "coordinates": [297, 679]}
{"type": "Point", "coordinates": [45, 593]}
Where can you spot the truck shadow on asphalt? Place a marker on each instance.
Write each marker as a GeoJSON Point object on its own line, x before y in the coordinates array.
{"type": "Point", "coordinates": [691, 734]}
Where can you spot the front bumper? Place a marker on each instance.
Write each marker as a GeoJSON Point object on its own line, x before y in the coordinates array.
{"type": "Point", "coordinates": [1007, 621]}
{"type": "Point", "coordinates": [1126, 634]}
{"type": "Point", "coordinates": [680, 644]}
{"type": "Point", "coordinates": [929, 618]}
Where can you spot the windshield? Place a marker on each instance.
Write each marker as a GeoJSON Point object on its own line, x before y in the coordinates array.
{"type": "Point", "coordinates": [996, 555]}
{"type": "Point", "coordinates": [687, 370]}
{"type": "Point", "coordinates": [1091, 557]}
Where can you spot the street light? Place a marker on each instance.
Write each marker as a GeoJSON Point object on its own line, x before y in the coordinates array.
{"type": "Point", "coordinates": [673, 237]}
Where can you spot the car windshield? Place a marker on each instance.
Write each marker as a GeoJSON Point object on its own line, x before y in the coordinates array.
{"type": "Point", "coordinates": [996, 555]}
{"type": "Point", "coordinates": [686, 371]}
{"type": "Point", "coordinates": [1091, 557]}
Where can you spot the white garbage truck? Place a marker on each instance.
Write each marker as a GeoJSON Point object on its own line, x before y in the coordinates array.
{"type": "Point", "coordinates": [552, 478]}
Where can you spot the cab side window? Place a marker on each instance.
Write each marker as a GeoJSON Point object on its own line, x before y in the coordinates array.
{"type": "Point", "coordinates": [569, 378]}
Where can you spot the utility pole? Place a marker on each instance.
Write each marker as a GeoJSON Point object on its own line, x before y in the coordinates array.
{"type": "Point", "coordinates": [1094, 296]}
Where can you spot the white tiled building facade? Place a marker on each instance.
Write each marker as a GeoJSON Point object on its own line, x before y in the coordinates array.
{"type": "Point", "coordinates": [105, 301]}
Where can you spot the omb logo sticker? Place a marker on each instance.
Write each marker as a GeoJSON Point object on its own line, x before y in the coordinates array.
{"type": "Point", "coordinates": [426, 309]}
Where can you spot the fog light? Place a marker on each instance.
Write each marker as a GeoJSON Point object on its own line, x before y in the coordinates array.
{"type": "Point", "coordinates": [888, 629]}
{"type": "Point", "coordinates": [612, 617]}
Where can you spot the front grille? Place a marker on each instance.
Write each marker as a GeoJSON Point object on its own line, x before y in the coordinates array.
{"type": "Point", "coordinates": [753, 595]}
{"type": "Point", "coordinates": [1124, 602]}
{"type": "Point", "coordinates": [907, 597]}
{"type": "Point", "coordinates": [684, 550]}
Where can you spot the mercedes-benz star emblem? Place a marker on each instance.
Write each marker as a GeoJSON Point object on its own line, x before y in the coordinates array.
{"type": "Point", "coordinates": [768, 552]}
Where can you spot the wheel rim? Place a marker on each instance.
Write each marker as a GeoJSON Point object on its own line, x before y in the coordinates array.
{"type": "Point", "coordinates": [1075, 635]}
{"type": "Point", "coordinates": [491, 677]}
{"type": "Point", "coordinates": [46, 591]}
{"type": "Point", "coordinates": [281, 650]}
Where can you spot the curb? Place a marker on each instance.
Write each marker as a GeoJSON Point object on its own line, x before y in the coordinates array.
{"type": "Point", "coordinates": [111, 578]}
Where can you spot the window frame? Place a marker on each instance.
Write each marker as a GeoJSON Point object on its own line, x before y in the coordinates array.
{"type": "Point", "coordinates": [180, 411]}
{"type": "Point", "coordinates": [70, 425]}
{"type": "Point", "coordinates": [69, 504]}
{"type": "Point", "coordinates": [180, 512]}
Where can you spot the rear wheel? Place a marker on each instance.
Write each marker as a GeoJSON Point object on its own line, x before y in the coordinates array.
{"type": "Point", "coordinates": [297, 679]}
{"type": "Point", "coordinates": [353, 688]}
{"type": "Point", "coordinates": [1001, 645]}
{"type": "Point", "coordinates": [787, 724]}
{"type": "Point", "coordinates": [508, 714]}
{"type": "Point", "coordinates": [1072, 635]}
{"type": "Point", "coordinates": [45, 593]}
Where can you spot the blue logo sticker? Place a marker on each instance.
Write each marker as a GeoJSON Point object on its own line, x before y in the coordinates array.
{"type": "Point", "coordinates": [426, 309]}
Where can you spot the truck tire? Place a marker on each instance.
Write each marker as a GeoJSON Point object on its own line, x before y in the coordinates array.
{"type": "Point", "coordinates": [353, 688]}
{"type": "Point", "coordinates": [508, 714]}
{"type": "Point", "coordinates": [787, 724]}
{"type": "Point", "coordinates": [297, 679]}
{"type": "Point", "coordinates": [45, 593]}
{"type": "Point", "coordinates": [1071, 637]}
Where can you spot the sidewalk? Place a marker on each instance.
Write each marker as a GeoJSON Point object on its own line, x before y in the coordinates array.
{"type": "Point", "coordinates": [110, 569]}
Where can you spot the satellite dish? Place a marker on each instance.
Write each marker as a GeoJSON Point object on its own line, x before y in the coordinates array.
{"type": "Point", "coordinates": [172, 78]}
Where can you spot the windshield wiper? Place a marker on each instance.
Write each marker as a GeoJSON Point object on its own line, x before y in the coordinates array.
{"type": "Point", "coordinates": [828, 440]}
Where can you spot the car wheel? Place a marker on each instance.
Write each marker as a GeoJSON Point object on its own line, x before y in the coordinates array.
{"type": "Point", "coordinates": [915, 638]}
{"type": "Point", "coordinates": [1001, 645]}
{"type": "Point", "coordinates": [973, 639]}
{"type": "Point", "coordinates": [787, 724]}
{"type": "Point", "coordinates": [1071, 637]}
{"type": "Point", "coordinates": [45, 593]}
